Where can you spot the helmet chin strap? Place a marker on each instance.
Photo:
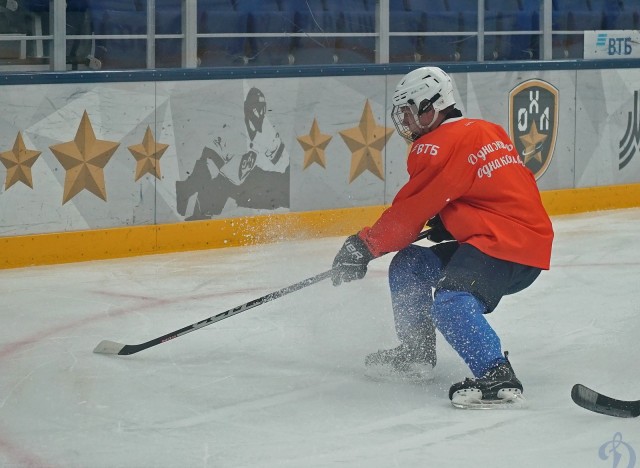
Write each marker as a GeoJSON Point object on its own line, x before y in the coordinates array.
{"type": "Point", "coordinates": [429, 126]}
{"type": "Point", "coordinates": [436, 114]}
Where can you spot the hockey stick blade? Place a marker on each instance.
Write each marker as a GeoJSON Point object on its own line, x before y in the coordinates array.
{"type": "Point", "coordinates": [108, 347]}
{"type": "Point", "coordinates": [599, 403]}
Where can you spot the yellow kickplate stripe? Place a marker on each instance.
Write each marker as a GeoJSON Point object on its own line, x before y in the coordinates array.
{"type": "Point", "coordinates": [99, 244]}
{"type": "Point", "coordinates": [76, 246]}
{"type": "Point", "coordinates": [610, 197]}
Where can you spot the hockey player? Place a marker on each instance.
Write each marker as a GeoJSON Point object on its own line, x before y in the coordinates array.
{"type": "Point", "coordinates": [467, 181]}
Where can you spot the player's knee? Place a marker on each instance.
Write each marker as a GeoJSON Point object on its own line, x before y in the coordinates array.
{"type": "Point", "coordinates": [414, 261]}
{"type": "Point", "coordinates": [452, 308]}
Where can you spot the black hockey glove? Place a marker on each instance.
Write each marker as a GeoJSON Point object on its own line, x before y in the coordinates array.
{"type": "Point", "coordinates": [351, 262]}
{"type": "Point", "coordinates": [437, 232]}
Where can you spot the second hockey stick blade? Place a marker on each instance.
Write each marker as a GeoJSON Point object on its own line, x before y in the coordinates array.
{"type": "Point", "coordinates": [599, 403]}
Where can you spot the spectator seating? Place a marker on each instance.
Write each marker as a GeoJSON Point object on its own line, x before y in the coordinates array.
{"type": "Point", "coordinates": [457, 20]}
{"type": "Point", "coordinates": [505, 16]}
{"type": "Point", "coordinates": [168, 20]}
{"type": "Point", "coordinates": [119, 18]}
{"type": "Point", "coordinates": [224, 51]}
{"type": "Point", "coordinates": [573, 15]}
{"type": "Point", "coordinates": [353, 16]}
{"type": "Point", "coordinates": [404, 48]}
{"type": "Point", "coordinates": [618, 14]}
{"type": "Point", "coordinates": [310, 17]}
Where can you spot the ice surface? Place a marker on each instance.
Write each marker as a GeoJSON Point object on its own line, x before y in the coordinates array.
{"type": "Point", "coordinates": [282, 385]}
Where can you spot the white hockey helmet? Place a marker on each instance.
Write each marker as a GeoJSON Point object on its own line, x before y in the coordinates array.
{"type": "Point", "coordinates": [417, 92]}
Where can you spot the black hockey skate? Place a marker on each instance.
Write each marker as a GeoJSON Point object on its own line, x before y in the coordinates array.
{"type": "Point", "coordinates": [499, 386]}
{"type": "Point", "coordinates": [402, 363]}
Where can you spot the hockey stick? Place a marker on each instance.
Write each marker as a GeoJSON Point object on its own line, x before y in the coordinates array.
{"type": "Point", "coordinates": [599, 403]}
{"type": "Point", "coordinates": [112, 347]}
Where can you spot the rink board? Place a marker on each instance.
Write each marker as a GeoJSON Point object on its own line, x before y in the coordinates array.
{"type": "Point", "coordinates": [147, 138]}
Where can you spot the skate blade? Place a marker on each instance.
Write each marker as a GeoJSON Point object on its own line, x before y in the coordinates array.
{"type": "Point", "coordinates": [471, 398]}
{"type": "Point", "coordinates": [417, 373]}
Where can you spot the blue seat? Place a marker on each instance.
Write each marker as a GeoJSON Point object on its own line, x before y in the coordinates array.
{"type": "Point", "coordinates": [626, 16]}
{"type": "Point", "coordinates": [605, 5]}
{"type": "Point", "coordinates": [302, 6]}
{"type": "Point", "coordinates": [559, 41]}
{"type": "Point", "coordinates": [460, 6]}
{"type": "Point", "coordinates": [270, 50]}
{"type": "Point", "coordinates": [309, 17]}
{"type": "Point", "coordinates": [77, 5]}
{"type": "Point", "coordinates": [618, 14]}
{"type": "Point", "coordinates": [566, 6]}
{"type": "Point", "coordinates": [620, 20]}
{"type": "Point", "coordinates": [114, 5]}
{"type": "Point", "coordinates": [567, 46]}
{"type": "Point", "coordinates": [168, 17]}
{"type": "Point", "coordinates": [503, 6]}
{"type": "Point", "coordinates": [346, 5]}
{"type": "Point", "coordinates": [518, 46]}
{"type": "Point", "coordinates": [119, 53]}
{"type": "Point", "coordinates": [265, 17]}
{"type": "Point", "coordinates": [533, 6]}
{"type": "Point", "coordinates": [404, 48]}
{"type": "Point", "coordinates": [35, 6]}
{"type": "Point", "coordinates": [214, 6]}
{"type": "Point", "coordinates": [168, 20]}
{"type": "Point", "coordinates": [353, 16]}
{"type": "Point", "coordinates": [507, 16]}
{"type": "Point", "coordinates": [224, 51]}
{"type": "Point", "coordinates": [77, 49]}
{"type": "Point", "coordinates": [356, 49]}
{"type": "Point", "coordinates": [585, 20]}
{"type": "Point", "coordinates": [252, 6]}
{"type": "Point", "coordinates": [493, 42]}
{"type": "Point", "coordinates": [399, 5]}
{"type": "Point", "coordinates": [431, 6]}
{"type": "Point", "coordinates": [581, 21]}
{"type": "Point", "coordinates": [526, 47]}
{"type": "Point", "coordinates": [442, 47]}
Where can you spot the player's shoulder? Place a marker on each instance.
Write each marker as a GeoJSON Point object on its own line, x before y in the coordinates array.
{"type": "Point", "coordinates": [468, 123]}
{"type": "Point", "coordinates": [461, 125]}
{"type": "Point", "coordinates": [478, 127]}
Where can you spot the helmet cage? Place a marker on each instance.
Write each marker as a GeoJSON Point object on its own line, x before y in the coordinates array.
{"type": "Point", "coordinates": [398, 117]}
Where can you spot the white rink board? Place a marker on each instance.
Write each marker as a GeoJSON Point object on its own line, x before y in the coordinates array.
{"type": "Point", "coordinates": [593, 112]}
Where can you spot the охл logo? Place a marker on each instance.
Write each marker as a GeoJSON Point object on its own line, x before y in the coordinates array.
{"type": "Point", "coordinates": [533, 123]}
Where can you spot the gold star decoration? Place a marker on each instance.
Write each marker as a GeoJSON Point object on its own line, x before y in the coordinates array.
{"type": "Point", "coordinates": [532, 142]}
{"type": "Point", "coordinates": [314, 145]}
{"type": "Point", "coordinates": [84, 159]}
{"type": "Point", "coordinates": [147, 155]}
{"type": "Point", "coordinates": [18, 162]}
{"type": "Point", "coordinates": [366, 142]}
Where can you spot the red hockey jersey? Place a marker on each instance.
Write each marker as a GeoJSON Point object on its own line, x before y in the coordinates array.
{"type": "Point", "coordinates": [469, 172]}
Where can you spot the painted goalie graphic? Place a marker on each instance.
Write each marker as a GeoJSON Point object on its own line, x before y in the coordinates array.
{"type": "Point", "coordinates": [247, 167]}
{"type": "Point", "coordinates": [533, 123]}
